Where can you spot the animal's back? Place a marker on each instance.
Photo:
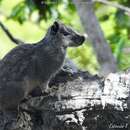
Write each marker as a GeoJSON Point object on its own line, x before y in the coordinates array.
{"type": "Point", "coordinates": [15, 63]}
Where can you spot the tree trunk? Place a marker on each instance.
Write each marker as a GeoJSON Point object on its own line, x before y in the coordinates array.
{"type": "Point", "coordinates": [90, 23]}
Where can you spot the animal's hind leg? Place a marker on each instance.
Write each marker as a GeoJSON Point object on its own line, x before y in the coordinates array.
{"type": "Point", "coordinates": [12, 94]}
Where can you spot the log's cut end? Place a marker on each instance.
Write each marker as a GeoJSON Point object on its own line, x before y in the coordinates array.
{"type": "Point", "coordinates": [117, 90]}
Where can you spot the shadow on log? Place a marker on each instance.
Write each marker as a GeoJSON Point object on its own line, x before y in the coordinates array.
{"type": "Point", "coordinates": [78, 101]}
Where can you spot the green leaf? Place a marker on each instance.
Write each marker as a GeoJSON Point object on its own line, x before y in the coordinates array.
{"type": "Point", "coordinates": [19, 12]}
{"type": "Point", "coordinates": [0, 1]}
{"type": "Point", "coordinates": [118, 50]}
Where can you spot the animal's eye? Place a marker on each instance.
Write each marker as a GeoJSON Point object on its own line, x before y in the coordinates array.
{"type": "Point", "coordinates": [65, 33]}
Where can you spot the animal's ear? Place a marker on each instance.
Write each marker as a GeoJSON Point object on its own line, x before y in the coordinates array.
{"type": "Point", "coordinates": [55, 27]}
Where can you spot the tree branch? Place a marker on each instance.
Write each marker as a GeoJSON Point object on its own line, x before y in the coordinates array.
{"type": "Point", "coordinates": [96, 36]}
{"type": "Point", "coordinates": [121, 7]}
{"type": "Point", "coordinates": [10, 36]}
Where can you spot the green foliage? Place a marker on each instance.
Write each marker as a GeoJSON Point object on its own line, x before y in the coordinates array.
{"type": "Point", "coordinates": [19, 12]}
{"type": "Point", "coordinates": [116, 25]}
{"type": "Point", "coordinates": [118, 50]}
{"type": "Point", "coordinates": [84, 57]}
{"type": "Point", "coordinates": [45, 8]}
{"type": "Point", "coordinates": [122, 20]}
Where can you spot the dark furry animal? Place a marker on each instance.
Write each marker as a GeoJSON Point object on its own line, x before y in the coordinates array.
{"type": "Point", "coordinates": [31, 65]}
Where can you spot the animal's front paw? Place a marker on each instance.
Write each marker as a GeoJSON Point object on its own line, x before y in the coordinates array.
{"type": "Point", "coordinates": [47, 90]}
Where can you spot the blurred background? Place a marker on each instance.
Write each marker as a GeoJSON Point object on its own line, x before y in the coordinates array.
{"type": "Point", "coordinates": [28, 20]}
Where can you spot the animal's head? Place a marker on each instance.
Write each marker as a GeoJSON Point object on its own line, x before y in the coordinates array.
{"type": "Point", "coordinates": [64, 36]}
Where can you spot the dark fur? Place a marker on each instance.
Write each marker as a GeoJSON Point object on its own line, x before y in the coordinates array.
{"type": "Point", "coordinates": [31, 65]}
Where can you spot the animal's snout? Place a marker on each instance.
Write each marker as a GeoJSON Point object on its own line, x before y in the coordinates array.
{"type": "Point", "coordinates": [85, 36]}
{"type": "Point", "coordinates": [77, 40]}
{"type": "Point", "coordinates": [82, 39]}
